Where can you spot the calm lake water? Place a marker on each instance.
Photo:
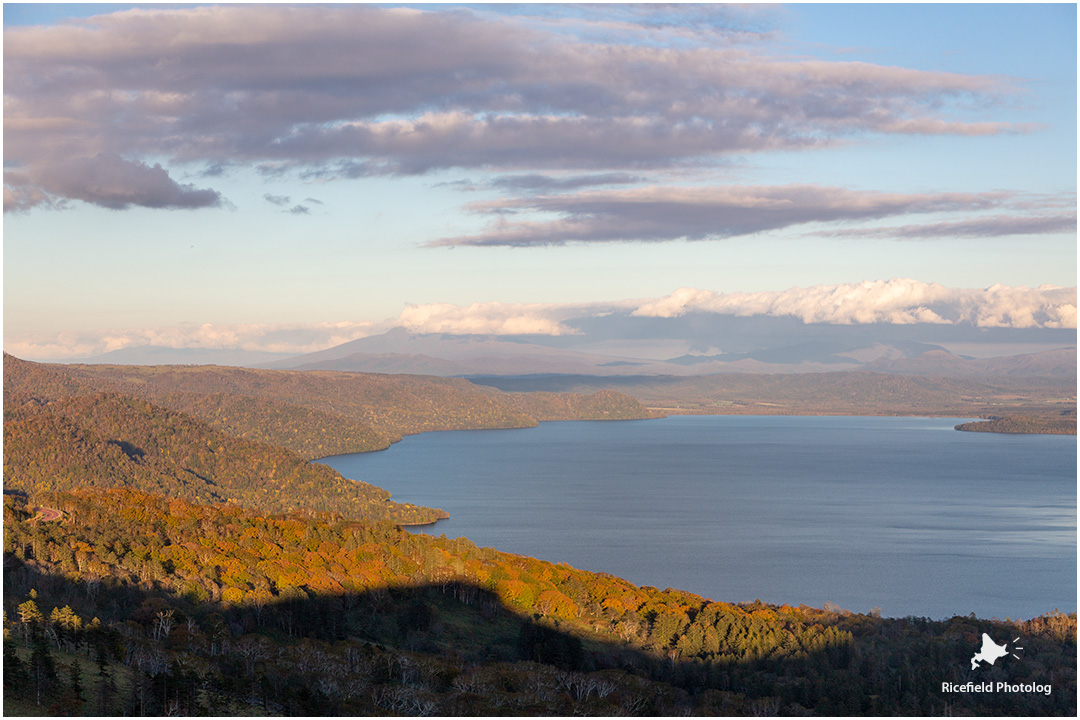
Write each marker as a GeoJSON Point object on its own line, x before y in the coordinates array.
{"type": "Point", "coordinates": [905, 514]}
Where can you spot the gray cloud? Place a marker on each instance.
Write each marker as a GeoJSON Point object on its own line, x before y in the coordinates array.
{"type": "Point", "coordinates": [655, 214]}
{"type": "Point", "coordinates": [107, 180]}
{"type": "Point", "coordinates": [297, 209]}
{"type": "Point", "coordinates": [351, 91]}
{"type": "Point", "coordinates": [21, 196]}
{"type": "Point", "coordinates": [216, 169]}
{"type": "Point", "coordinates": [993, 226]}
{"type": "Point", "coordinates": [548, 183]}
{"type": "Point", "coordinates": [279, 200]}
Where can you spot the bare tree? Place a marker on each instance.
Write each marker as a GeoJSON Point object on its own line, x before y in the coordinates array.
{"type": "Point", "coordinates": [163, 624]}
{"type": "Point", "coordinates": [252, 649]}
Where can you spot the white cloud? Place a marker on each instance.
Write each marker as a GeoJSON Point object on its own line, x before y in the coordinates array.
{"type": "Point", "coordinates": [896, 301]}
{"type": "Point", "coordinates": [490, 318]}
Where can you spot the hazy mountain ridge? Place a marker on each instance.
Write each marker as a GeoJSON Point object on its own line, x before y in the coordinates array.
{"type": "Point", "coordinates": [157, 355]}
{"type": "Point", "coordinates": [622, 343]}
{"type": "Point", "coordinates": [447, 355]}
{"type": "Point", "coordinates": [1050, 363]}
{"type": "Point", "coordinates": [832, 349]}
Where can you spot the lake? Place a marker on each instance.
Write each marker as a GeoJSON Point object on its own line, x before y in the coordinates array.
{"type": "Point", "coordinates": [903, 514]}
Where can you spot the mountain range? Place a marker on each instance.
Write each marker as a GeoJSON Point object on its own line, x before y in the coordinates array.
{"type": "Point", "coordinates": [619, 344]}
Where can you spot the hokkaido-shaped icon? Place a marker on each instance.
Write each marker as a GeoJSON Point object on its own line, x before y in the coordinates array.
{"type": "Point", "coordinates": [991, 651]}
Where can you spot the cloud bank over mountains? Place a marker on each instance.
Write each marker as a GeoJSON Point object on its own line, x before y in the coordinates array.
{"type": "Point", "coordinates": [890, 302]}
{"type": "Point", "coordinates": [94, 107]}
{"type": "Point", "coordinates": [897, 302]}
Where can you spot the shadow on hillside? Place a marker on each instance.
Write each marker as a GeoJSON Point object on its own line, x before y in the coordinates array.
{"type": "Point", "coordinates": [455, 648]}
{"type": "Point", "coordinates": [451, 631]}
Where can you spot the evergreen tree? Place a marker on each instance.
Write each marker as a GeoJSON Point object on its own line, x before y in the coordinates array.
{"type": "Point", "coordinates": [42, 668]}
{"type": "Point", "coordinates": [76, 680]}
{"type": "Point", "coordinates": [106, 687]}
{"type": "Point", "coordinates": [16, 676]}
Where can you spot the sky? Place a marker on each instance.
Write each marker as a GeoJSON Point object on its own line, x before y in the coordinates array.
{"type": "Point", "coordinates": [284, 178]}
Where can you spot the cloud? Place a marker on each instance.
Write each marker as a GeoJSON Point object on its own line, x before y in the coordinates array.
{"type": "Point", "coordinates": [297, 209]}
{"type": "Point", "coordinates": [279, 200]}
{"type": "Point", "coordinates": [993, 226]}
{"type": "Point", "coordinates": [107, 180]}
{"type": "Point", "coordinates": [656, 214]}
{"type": "Point", "coordinates": [490, 318]}
{"type": "Point", "coordinates": [897, 301]}
{"type": "Point", "coordinates": [22, 196]}
{"type": "Point", "coordinates": [348, 91]}
{"type": "Point", "coordinates": [549, 183]}
{"type": "Point", "coordinates": [292, 338]}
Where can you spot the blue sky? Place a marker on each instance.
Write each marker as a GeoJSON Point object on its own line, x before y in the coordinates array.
{"type": "Point", "coordinates": [167, 184]}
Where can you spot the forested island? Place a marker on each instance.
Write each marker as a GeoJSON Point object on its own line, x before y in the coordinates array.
{"type": "Point", "coordinates": [169, 548]}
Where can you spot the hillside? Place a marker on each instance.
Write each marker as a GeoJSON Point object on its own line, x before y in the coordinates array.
{"type": "Point", "coordinates": [314, 414]}
{"type": "Point", "coordinates": [600, 405]}
{"type": "Point", "coordinates": [153, 606]}
{"type": "Point", "coordinates": [210, 434]}
{"type": "Point", "coordinates": [107, 440]}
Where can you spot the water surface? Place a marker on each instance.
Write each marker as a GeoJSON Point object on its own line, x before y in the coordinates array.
{"type": "Point", "coordinates": [904, 514]}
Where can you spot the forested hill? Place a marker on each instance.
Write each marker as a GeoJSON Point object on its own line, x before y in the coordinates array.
{"type": "Point", "coordinates": [105, 440]}
{"type": "Point", "coordinates": [217, 435]}
{"type": "Point", "coordinates": [316, 413]}
{"type": "Point", "coordinates": [132, 604]}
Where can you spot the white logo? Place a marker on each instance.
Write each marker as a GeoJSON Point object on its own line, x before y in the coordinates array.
{"type": "Point", "coordinates": [991, 651]}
